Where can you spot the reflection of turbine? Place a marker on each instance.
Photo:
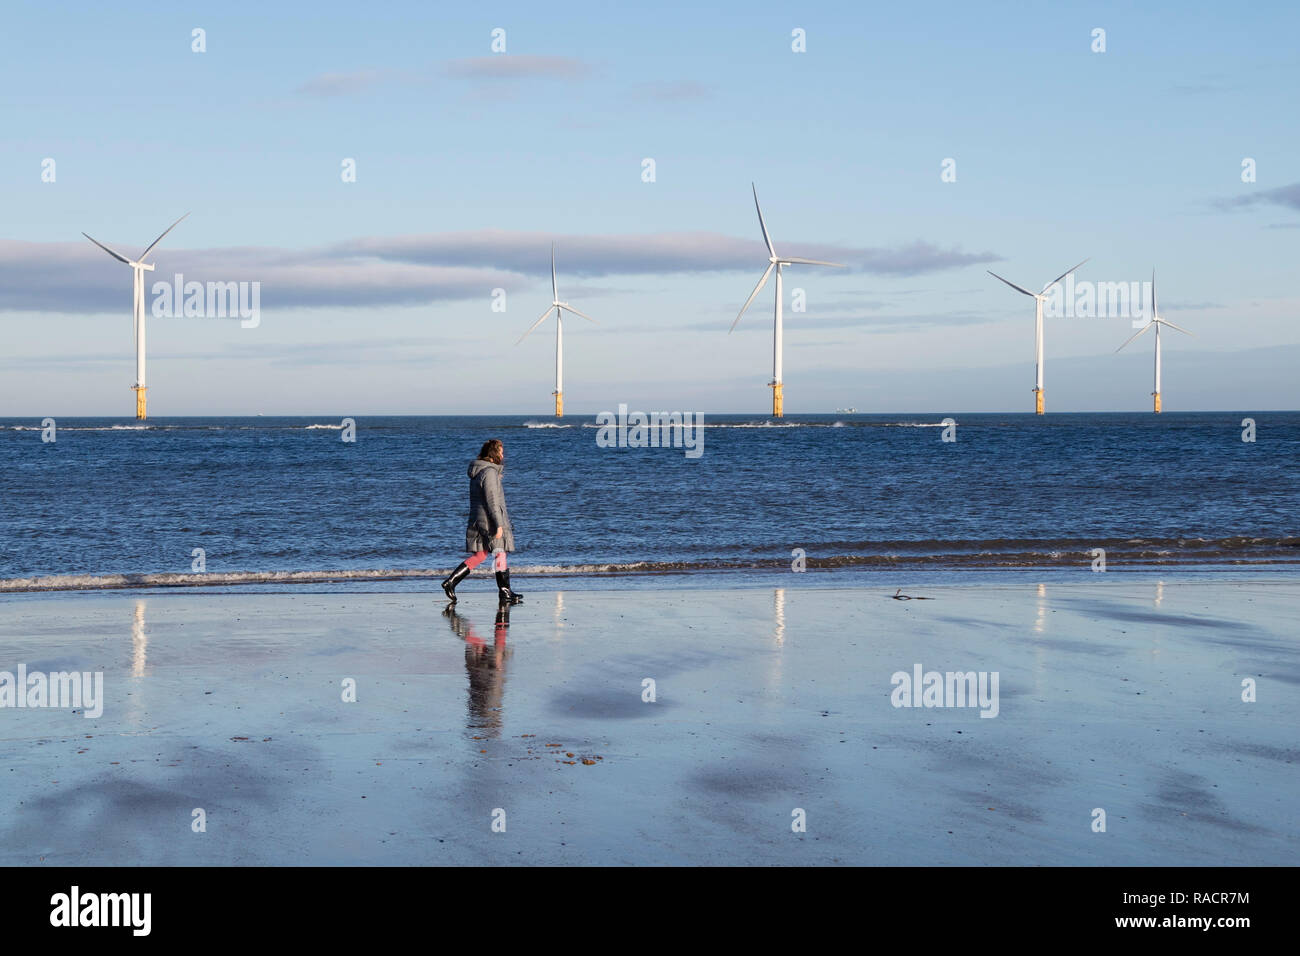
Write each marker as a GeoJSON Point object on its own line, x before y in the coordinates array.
{"type": "Point", "coordinates": [139, 641]}
{"type": "Point", "coordinates": [1155, 634]}
{"type": "Point", "coordinates": [1040, 622]}
{"type": "Point", "coordinates": [779, 610]}
{"type": "Point", "coordinates": [559, 611]}
{"type": "Point", "coordinates": [776, 674]}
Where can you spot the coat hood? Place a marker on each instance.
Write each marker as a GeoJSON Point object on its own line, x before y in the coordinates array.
{"type": "Point", "coordinates": [478, 465]}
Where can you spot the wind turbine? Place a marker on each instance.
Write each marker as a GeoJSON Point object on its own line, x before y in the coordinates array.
{"type": "Point", "coordinates": [1156, 321]}
{"type": "Point", "coordinates": [1038, 331]}
{"type": "Point", "coordinates": [775, 262]}
{"type": "Point", "coordinates": [559, 308]}
{"type": "Point", "coordinates": [138, 269]}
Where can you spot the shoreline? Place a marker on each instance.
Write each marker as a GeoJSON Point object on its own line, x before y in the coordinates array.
{"type": "Point", "coordinates": [739, 575]}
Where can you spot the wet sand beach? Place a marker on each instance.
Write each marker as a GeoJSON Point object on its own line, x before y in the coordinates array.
{"type": "Point", "coordinates": [1112, 694]}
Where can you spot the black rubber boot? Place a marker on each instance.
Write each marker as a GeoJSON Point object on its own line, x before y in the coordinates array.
{"type": "Point", "coordinates": [506, 595]}
{"type": "Point", "coordinates": [449, 584]}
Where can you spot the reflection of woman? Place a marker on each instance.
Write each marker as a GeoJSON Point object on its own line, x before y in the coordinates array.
{"type": "Point", "coordinates": [486, 668]}
{"type": "Point", "coordinates": [489, 523]}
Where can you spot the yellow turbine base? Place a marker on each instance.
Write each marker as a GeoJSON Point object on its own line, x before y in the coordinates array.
{"type": "Point", "coordinates": [1157, 395]}
{"type": "Point", "coordinates": [140, 402]}
{"type": "Point", "coordinates": [1038, 401]}
{"type": "Point", "coordinates": [778, 400]}
{"type": "Point", "coordinates": [559, 404]}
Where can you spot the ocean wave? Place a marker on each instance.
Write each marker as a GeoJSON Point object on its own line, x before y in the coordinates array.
{"type": "Point", "coordinates": [545, 425]}
{"type": "Point", "coordinates": [181, 428]}
{"type": "Point", "coordinates": [93, 428]}
{"type": "Point", "coordinates": [768, 423]}
{"type": "Point", "coordinates": [974, 555]}
{"type": "Point", "coordinates": [715, 425]}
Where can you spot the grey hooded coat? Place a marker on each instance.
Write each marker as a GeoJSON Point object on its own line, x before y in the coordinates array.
{"type": "Point", "coordinates": [487, 509]}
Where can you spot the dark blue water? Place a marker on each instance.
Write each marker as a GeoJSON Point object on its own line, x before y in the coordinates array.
{"type": "Point", "coordinates": [873, 491]}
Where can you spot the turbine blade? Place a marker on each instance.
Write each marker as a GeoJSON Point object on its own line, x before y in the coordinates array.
{"type": "Point", "coordinates": [757, 289]}
{"type": "Point", "coordinates": [160, 238]}
{"type": "Point", "coordinates": [1155, 312]}
{"type": "Point", "coordinates": [565, 305]}
{"type": "Point", "coordinates": [1062, 276]}
{"type": "Point", "coordinates": [117, 256]}
{"type": "Point", "coordinates": [1172, 326]}
{"type": "Point", "coordinates": [1136, 334]}
{"type": "Point", "coordinates": [555, 293]}
{"type": "Point", "coordinates": [762, 225]}
{"type": "Point", "coordinates": [1012, 284]}
{"type": "Point", "coordinates": [549, 310]}
{"type": "Point", "coordinates": [813, 262]}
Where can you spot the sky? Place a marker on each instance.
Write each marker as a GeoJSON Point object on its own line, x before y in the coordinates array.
{"type": "Point", "coordinates": [919, 145]}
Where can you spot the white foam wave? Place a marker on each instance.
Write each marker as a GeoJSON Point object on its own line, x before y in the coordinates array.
{"type": "Point", "coordinates": [102, 582]}
{"type": "Point", "coordinates": [717, 425]}
{"type": "Point", "coordinates": [110, 582]}
{"type": "Point", "coordinates": [87, 428]}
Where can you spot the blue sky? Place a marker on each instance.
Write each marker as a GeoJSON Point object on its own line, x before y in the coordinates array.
{"type": "Point", "coordinates": [376, 294]}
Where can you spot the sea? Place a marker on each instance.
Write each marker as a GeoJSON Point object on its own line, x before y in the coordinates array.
{"type": "Point", "coordinates": [817, 500]}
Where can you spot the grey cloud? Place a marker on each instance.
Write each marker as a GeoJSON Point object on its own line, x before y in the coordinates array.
{"type": "Point", "coordinates": [510, 66]}
{"type": "Point", "coordinates": [675, 92]}
{"type": "Point", "coordinates": [890, 323]}
{"type": "Point", "coordinates": [872, 305]}
{"type": "Point", "coordinates": [1205, 85]}
{"type": "Point", "coordinates": [1288, 196]}
{"type": "Point", "coordinates": [762, 322]}
{"type": "Point", "coordinates": [602, 255]}
{"type": "Point", "coordinates": [339, 84]}
{"type": "Point", "coordinates": [482, 68]}
{"type": "Point", "coordinates": [1177, 306]}
{"type": "Point", "coordinates": [76, 277]}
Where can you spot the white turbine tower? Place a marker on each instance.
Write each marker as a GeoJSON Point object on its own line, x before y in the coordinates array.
{"type": "Point", "coordinates": [775, 262]}
{"type": "Point", "coordinates": [138, 269]}
{"type": "Point", "coordinates": [1038, 331]}
{"type": "Point", "coordinates": [1156, 321]}
{"type": "Point", "coordinates": [559, 308]}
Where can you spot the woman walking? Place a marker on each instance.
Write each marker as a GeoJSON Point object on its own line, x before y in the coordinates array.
{"type": "Point", "coordinates": [489, 523]}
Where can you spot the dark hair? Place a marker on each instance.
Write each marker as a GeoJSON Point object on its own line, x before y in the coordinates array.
{"type": "Point", "coordinates": [492, 451]}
